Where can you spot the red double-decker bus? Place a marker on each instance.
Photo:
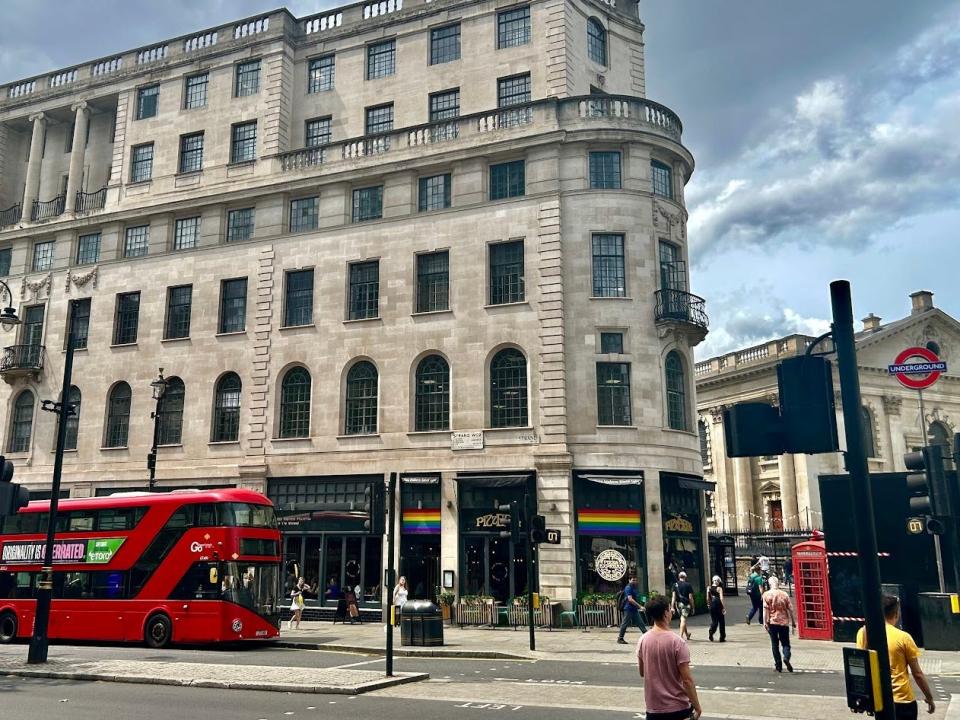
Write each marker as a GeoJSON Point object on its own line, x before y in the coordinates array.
{"type": "Point", "coordinates": [188, 566]}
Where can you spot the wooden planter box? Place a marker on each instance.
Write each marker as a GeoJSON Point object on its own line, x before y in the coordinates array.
{"type": "Point", "coordinates": [598, 614]}
{"type": "Point", "coordinates": [474, 614]}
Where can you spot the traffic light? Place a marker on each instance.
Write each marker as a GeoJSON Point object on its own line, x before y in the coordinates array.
{"type": "Point", "coordinates": [376, 508]}
{"type": "Point", "coordinates": [512, 510]}
{"type": "Point", "coordinates": [927, 484]}
{"type": "Point", "coordinates": [12, 497]}
{"type": "Point", "coordinates": [538, 529]}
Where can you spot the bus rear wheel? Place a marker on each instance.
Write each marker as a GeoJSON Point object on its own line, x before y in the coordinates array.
{"type": "Point", "coordinates": [159, 631]}
{"type": "Point", "coordinates": [8, 627]}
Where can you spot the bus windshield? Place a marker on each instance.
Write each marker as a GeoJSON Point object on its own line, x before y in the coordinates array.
{"type": "Point", "coordinates": [247, 515]}
{"type": "Point", "coordinates": [252, 585]}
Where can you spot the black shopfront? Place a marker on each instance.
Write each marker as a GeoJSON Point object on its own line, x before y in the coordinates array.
{"type": "Point", "coordinates": [682, 503]}
{"type": "Point", "coordinates": [492, 565]}
{"type": "Point", "coordinates": [332, 528]}
{"type": "Point", "coordinates": [420, 534]}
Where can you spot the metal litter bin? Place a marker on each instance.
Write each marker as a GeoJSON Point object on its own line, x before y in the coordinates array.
{"type": "Point", "coordinates": [421, 624]}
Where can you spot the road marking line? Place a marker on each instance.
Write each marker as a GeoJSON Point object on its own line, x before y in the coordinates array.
{"type": "Point", "coordinates": [357, 664]}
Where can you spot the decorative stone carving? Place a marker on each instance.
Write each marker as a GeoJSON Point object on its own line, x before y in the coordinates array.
{"type": "Point", "coordinates": [81, 280]}
{"type": "Point", "coordinates": [36, 287]}
{"type": "Point", "coordinates": [716, 414]}
{"type": "Point", "coordinates": [937, 415]}
{"type": "Point", "coordinates": [891, 405]}
{"type": "Point", "coordinates": [661, 214]}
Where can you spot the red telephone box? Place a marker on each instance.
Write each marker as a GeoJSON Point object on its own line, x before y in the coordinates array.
{"type": "Point", "coordinates": [814, 615]}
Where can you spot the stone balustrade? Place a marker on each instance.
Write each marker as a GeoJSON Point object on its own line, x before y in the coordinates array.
{"type": "Point", "coordinates": [773, 350]}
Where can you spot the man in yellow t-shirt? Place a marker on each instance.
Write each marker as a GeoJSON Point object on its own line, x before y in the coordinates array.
{"type": "Point", "coordinates": [903, 653]}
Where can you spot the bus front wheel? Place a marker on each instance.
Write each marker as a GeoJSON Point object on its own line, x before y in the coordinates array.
{"type": "Point", "coordinates": [8, 627]}
{"type": "Point", "coordinates": [159, 631]}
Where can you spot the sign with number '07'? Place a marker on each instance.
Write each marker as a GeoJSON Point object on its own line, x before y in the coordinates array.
{"type": "Point", "coordinates": [553, 537]}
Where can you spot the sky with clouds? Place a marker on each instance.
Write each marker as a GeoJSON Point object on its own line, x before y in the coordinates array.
{"type": "Point", "coordinates": [826, 133]}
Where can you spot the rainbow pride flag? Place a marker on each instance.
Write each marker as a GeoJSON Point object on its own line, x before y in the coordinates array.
{"type": "Point", "coordinates": [609, 522]}
{"type": "Point", "coordinates": [420, 522]}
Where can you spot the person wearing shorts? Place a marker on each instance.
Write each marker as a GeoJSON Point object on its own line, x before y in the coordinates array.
{"type": "Point", "coordinates": [682, 603]}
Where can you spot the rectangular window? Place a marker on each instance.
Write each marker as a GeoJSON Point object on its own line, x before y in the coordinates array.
{"type": "Point", "coordinates": [137, 241]}
{"type": "Point", "coordinates": [609, 274]}
{"type": "Point", "coordinates": [80, 321]}
{"type": "Point", "coordinates": [605, 170]}
{"type": "Point", "coordinates": [513, 90]}
{"type": "Point", "coordinates": [240, 224]}
{"type": "Point", "coordinates": [513, 27]}
{"type": "Point", "coordinates": [613, 394]}
{"type": "Point", "coordinates": [127, 318]}
{"type": "Point", "coordinates": [379, 119]}
{"type": "Point", "coordinates": [506, 272]}
{"type": "Point", "coordinates": [662, 179]}
{"type": "Point", "coordinates": [247, 78]}
{"type": "Point", "coordinates": [6, 254]}
{"type": "Point", "coordinates": [147, 101]}
{"type": "Point", "coordinates": [88, 249]}
{"type": "Point", "coordinates": [42, 256]}
{"type": "Point", "coordinates": [445, 44]}
{"type": "Point", "coordinates": [433, 281]}
{"type": "Point", "coordinates": [233, 305]}
{"type": "Point", "coordinates": [141, 163]}
{"type": "Point", "coordinates": [381, 59]}
{"type": "Point", "coordinates": [68, 148]}
{"type": "Point", "coordinates": [445, 105]}
{"type": "Point", "coordinates": [304, 214]}
{"type": "Point", "coordinates": [364, 290]}
{"type": "Point", "coordinates": [298, 309]}
{"type": "Point", "coordinates": [434, 192]}
{"type": "Point", "coordinates": [243, 142]}
{"type": "Point", "coordinates": [195, 91]}
{"type": "Point", "coordinates": [507, 180]}
{"type": "Point", "coordinates": [611, 343]}
{"type": "Point", "coordinates": [179, 302]}
{"type": "Point", "coordinates": [185, 234]}
{"type": "Point", "coordinates": [368, 203]}
{"type": "Point", "coordinates": [317, 132]}
{"type": "Point", "coordinates": [320, 72]}
{"type": "Point", "coordinates": [191, 152]}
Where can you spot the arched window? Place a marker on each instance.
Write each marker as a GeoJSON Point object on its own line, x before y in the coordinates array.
{"type": "Point", "coordinates": [938, 434]}
{"type": "Point", "coordinates": [295, 404]}
{"type": "Point", "coordinates": [226, 409]}
{"type": "Point", "coordinates": [73, 420]}
{"type": "Point", "coordinates": [706, 451]}
{"type": "Point", "coordinates": [170, 428]}
{"type": "Point", "coordinates": [866, 419]}
{"type": "Point", "coordinates": [508, 389]}
{"type": "Point", "coordinates": [361, 416]}
{"type": "Point", "coordinates": [596, 41]}
{"type": "Point", "coordinates": [676, 392]}
{"type": "Point", "coordinates": [118, 416]}
{"type": "Point", "coordinates": [22, 425]}
{"type": "Point", "coordinates": [432, 410]}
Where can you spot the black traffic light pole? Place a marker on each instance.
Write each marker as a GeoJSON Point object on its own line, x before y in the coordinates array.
{"type": "Point", "coordinates": [39, 642]}
{"type": "Point", "coordinates": [856, 462]}
{"type": "Point", "coordinates": [528, 512]}
{"type": "Point", "coordinates": [391, 569]}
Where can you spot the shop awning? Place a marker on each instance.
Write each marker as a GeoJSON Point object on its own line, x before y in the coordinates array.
{"type": "Point", "coordinates": [690, 483]}
{"type": "Point", "coordinates": [420, 479]}
{"type": "Point", "coordinates": [494, 479]}
{"type": "Point", "coordinates": [611, 478]}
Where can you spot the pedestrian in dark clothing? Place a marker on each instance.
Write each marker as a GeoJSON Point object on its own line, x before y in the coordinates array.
{"type": "Point", "coordinates": [755, 593]}
{"type": "Point", "coordinates": [788, 572]}
{"type": "Point", "coordinates": [631, 610]}
{"type": "Point", "coordinates": [717, 609]}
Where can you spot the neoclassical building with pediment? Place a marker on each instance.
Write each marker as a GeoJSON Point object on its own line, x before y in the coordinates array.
{"type": "Point", "coordinates": [782, 492]}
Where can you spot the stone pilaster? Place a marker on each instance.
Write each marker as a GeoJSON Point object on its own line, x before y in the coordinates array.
{"type": "Point", "coordinates": [32, 188]}
{"type": "Point", "coordinates": [558, 75]}
{"type": "Point", "coordinates": [638, 82]}
{"type": "Point", "coordinates": [276, 119]}
{"type": "Point", "coordinates": [120, 138]}
{"type": "Point", "coordinates": [653, 531]}
{"type": "Point", "coordinates": [260, 371]}
{"type": "Point", "coordinates": [77, 153]}
{"type": "Point", "coordinates": [558, 574]}
{"type": "Point", "coordinates": [743, 480]}
{"type": "Point", "coordinates": [553, 383]}
{"type": "Point", "coordinates": [788, 492]}
{"type": "Point", "coordinates": [4, 183]}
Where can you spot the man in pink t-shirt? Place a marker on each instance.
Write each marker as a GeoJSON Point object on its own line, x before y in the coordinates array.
{"type": "Point", "coordinates": [664, 663]}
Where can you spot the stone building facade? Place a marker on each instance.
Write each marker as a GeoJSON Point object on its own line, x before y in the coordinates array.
{"type": "Point", "coordinates": [782, 492]}
{"type": "Point", "coordinates": [439, 238]}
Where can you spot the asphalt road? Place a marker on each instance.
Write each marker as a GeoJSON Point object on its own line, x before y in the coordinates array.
{"type": "Point", "coordinates": [36, 699]}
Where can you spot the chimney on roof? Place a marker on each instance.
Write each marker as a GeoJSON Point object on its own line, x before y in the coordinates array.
{"type": "Point", "coordinates": [922, 301]}
{"type": "Point", "coordinates": [871, 323]}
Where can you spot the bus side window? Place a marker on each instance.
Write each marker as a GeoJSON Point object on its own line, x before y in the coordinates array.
{"type": "Point", "coordinates": [8, 582]}
{"type": "Point", "coordinates": [182, 518]}
{"type": "Point", "coordinates": [25, 588]}
{"type": "Point", "coordinates": [206, 515]}
{"type": "Point", "coordinates": [198, 583]}
{"type": "Point", "coordinates": [81, 521]}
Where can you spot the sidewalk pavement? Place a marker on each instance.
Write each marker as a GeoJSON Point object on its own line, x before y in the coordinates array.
{"type": "Point", "coordinates": [337, 681]}
{"type": "Point", "coordinates": [746, 646]}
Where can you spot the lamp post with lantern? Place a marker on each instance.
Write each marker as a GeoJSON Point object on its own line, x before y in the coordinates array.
{"type": "Point", "coordinates": [159, 387]}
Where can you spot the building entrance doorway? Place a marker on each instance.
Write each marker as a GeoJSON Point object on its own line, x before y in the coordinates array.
{"type": "Point", "coordinates": [493, 566]}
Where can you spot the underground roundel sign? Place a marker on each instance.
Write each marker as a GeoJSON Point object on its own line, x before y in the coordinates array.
{"type": "Point", "coordinates": [917, 368]}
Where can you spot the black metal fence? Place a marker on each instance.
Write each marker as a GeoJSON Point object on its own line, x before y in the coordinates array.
{"type": "Point", "coordinates": [86, 202]}
{"type": "Point", "coordinates": [681, 306]}
{"type": "Point", "coordinates": [765, 542]}
{"type": "Point", "coordinates": [22, 357]}
{"type": "Point", "coordinates": [10, 216]}
{"type": "Point", "coordinates": [45, 209]}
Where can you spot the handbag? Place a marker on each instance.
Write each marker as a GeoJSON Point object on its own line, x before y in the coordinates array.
{"type": "Point", "coordinates": [300, 601]}
{"type": "Point", "coordinates": [354, 612]}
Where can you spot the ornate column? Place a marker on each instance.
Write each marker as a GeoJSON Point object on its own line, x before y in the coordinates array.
{"type": "Point", "coordinates": [788, 493]}
{"type": "Point", "coordinates": [32, 188]}
{"type": "Point", "coordinates": [80, 125]}
{"type": "Point", "coordinates": [743, 481]}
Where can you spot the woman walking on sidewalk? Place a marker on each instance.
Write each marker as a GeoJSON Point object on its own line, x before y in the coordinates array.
{"type": "Point", "coordinates": [296, 603]}
{"type": "Point", "coordinates": [717, 609]}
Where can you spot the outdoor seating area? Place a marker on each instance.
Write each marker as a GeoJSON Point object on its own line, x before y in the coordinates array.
{"type": "Point", "coordinates": [487, 612]}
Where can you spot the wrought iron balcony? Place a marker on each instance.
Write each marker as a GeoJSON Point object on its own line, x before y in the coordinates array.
{"type": "Point", "coordinates": [46, 209]}
{"type": "Point", "coordinates": [685, 309]}
{"type": "Point", "coordinates": [21, 360]}
{"type": "Point", "coordinates": [10, 216]}
{"type": "Point", "coordinates": [88, 202]}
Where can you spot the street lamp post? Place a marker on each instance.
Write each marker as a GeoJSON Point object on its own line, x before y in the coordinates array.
{"type": "Point", "coordinates": [63, 409]}
{"type": "Point", "coordinates": [159, 387]}
{"type": "Point", "coordinates": [8, 317]}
